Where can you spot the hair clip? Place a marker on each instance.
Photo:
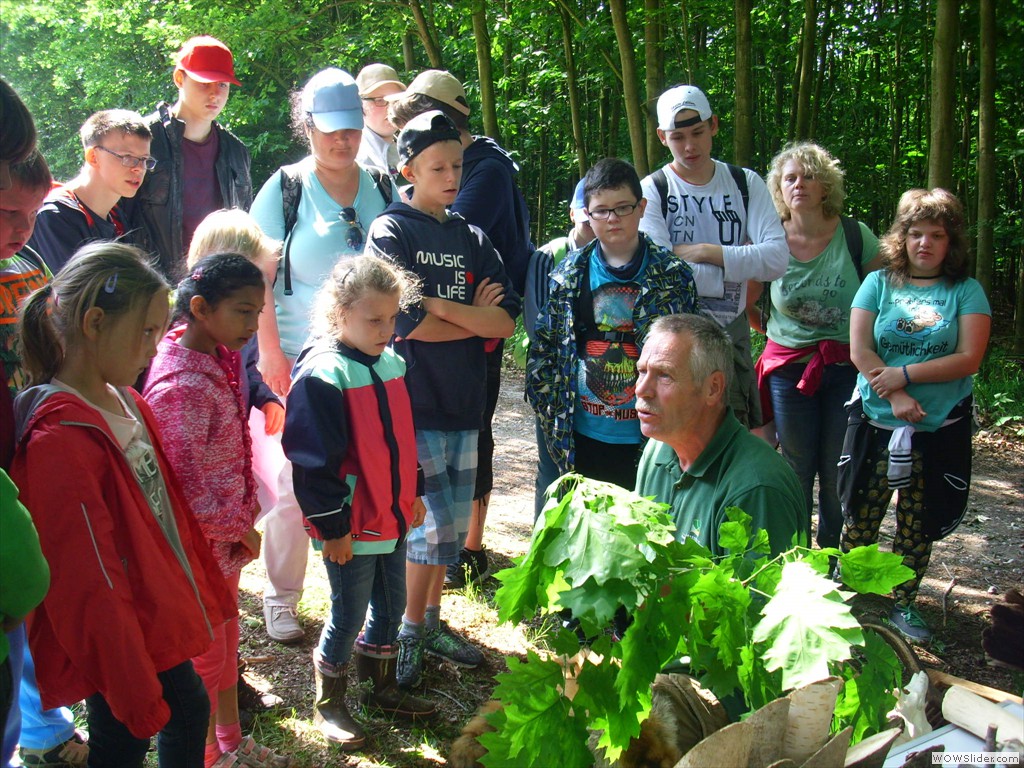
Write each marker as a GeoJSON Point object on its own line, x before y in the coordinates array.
{"type": "Point", "coordinates": [196, 275]}
{"type": "Point", "coordinates": [111, 283]}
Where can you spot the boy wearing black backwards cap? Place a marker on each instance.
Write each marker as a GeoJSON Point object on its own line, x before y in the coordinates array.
{"type": "Point", "coordinates": [467, 298]}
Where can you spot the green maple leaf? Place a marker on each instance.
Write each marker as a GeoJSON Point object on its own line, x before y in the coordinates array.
{"type": "Point", "coordinates": [517, 596]}
{"type": "Point", "coordinates": [595, 604]}
{"type": "Point", "coordinates": [539, 727]}
{"type": "Point", "coordinates": [807, 625]}
{"type": "Point", "coordinates": [734, 534]}
{"type": "Point", "coordinates": [723, 602]}
{"type": "Point", "coordinates": [655, 638]}
{"type": "Point", "coordinates": [869, 682]}
{"type": "Point", "coordinates": [869, 570]}
{"type": "Point", "coordinates": [604, 531]}
{"type": "Point", "coordinates": [759, 686]}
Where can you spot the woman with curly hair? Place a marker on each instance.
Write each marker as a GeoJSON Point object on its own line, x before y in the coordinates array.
{"type": "Point", "coordinates": [805, 375]}
{"type": "Point", "coordinates": [918, 332]}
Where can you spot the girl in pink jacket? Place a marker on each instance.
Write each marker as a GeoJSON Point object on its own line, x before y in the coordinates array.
{"type": "Point", "coordinates": [195, 391]}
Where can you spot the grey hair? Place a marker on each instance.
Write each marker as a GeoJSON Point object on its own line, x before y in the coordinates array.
{"type": "Point", "coordinates": [711, 347]}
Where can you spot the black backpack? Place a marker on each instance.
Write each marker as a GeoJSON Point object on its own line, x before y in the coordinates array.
{"type": "Point", "coordinates": [291, 195]}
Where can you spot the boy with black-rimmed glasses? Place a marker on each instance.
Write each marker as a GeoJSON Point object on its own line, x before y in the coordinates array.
{"type": "Point", "coordinates": [581, 372]}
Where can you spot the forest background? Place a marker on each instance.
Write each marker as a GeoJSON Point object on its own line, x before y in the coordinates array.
{"type": "Point", "coordinates": [906, 93]}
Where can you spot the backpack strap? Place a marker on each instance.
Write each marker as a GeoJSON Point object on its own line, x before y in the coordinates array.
{"type": "Point", "coordinates": [661, 184]}
{"type": "Point", "coordinates": [383, 182]}
{"type": "Point", "coordinates": [854, 243]}
{"type": "Point", "coordinates": [585, 323]}
{"type": "Point", "coordinates": [740, 178]}
{"type": "Point", "coordinates": [291, 194]}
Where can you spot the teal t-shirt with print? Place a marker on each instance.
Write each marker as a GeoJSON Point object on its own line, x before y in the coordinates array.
{"type": "Point", "coordinates": [811, 302]}
{"type": "Point", "coordinates": [606, 372]}
{"type": "Point", "coordinates": [914, 324]}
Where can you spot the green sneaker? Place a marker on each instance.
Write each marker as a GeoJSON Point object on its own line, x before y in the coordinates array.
{"type": "Point", "coordinates": [409, 666]}
{"type": "Point", "coordinates": [444, 643]}
{"type": "Point", "coordinates": [908, 622]}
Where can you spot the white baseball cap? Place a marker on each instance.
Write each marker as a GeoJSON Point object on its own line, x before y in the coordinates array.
{"type": "Point", "coordinates": [675, 100]}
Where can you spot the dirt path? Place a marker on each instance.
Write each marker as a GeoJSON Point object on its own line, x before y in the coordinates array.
{"type": "Point", "coordinates": [983, 559]}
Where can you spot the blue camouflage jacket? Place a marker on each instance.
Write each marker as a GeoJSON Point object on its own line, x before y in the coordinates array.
{"type": "Point", "coordinates": [667, 288]}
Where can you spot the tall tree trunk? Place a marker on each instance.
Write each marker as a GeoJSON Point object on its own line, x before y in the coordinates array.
{"type": "Point", "coordinates": [806, 82]}
{"type": "Point", "coordinates": [630, 88]}
{"type": "Point", "coordinates": [408, 52]}
{"type": "Point", "coordinates": [540, 221]}
{"type": "Point", "coordinates": [819, 76]}
{"type": "Point", "coordinates": [572, 84]}
{"type": "Point", "coordinates": [427, 35]}
{"type": "Point", "coordinates": [686, 39]}
{"type": "Point", "coordinates": [940, 146]}
{"type": "Point", "coordinates": [486, 75]}
{"type": "Point", "coordinates": [743, 116]}
{"type": "Point", "coordinates": [984, 256]}
{"type": "Point", "coordinates": [654, 59]}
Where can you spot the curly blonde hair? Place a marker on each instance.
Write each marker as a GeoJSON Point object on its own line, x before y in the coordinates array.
{"type": "Point", "coordinates": [350, 280]}
{"type": "Point", "coordinates": [814, 161]}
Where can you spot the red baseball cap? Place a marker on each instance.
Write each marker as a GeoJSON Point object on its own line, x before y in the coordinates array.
{"type": "Point", "coordinates": [207, 60]}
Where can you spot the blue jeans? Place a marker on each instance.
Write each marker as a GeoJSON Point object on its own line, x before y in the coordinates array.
{"type": "Point", "coordinates": [811, 431]}
{"type": "Point", "coordinates": [377, 581]}
{"type": "Point", "coordinates": [180, 743]}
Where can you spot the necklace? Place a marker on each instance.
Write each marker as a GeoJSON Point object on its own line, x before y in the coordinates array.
{"type": "Point", "coordinates": [925, 277]}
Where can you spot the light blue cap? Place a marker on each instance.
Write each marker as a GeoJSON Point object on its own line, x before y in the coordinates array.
{"type": "Point", "coordinates": [577, 203]}
{"type": "Point", "coordinates": [331, 98]}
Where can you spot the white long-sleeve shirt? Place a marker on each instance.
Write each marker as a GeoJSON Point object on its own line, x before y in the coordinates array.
{"type": "Point", "coordinates": [753, 240]}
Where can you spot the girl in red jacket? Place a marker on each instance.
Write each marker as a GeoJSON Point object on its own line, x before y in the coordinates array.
{"type": "Point", "coordinates": [195, 390]}
{"type": "Point", "coordinates": [135, 591]}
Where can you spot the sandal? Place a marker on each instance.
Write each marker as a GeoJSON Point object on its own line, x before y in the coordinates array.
{"type": "Point", "coordinates": [255, 755]}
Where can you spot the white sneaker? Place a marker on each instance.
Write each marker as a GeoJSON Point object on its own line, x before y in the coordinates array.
{"type": "Point", "coordinates": [283, 623]}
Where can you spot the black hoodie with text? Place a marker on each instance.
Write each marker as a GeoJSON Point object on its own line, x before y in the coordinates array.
{"type": "Point", "coordinates": [446, 379]}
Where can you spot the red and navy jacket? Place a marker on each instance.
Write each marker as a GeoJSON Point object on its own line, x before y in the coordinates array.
{"type": "Point", "coordinates": [349, 435]}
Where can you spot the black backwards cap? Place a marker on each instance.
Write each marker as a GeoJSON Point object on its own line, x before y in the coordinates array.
{"type": "Point", "coordinates": [423, 131]}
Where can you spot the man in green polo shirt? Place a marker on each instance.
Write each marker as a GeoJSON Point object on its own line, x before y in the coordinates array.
{"type": "Point", "coordinates": [700, 459]}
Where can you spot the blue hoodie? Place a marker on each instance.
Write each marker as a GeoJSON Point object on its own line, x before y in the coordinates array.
{"type": "Point", "coordinates": [490, 199]}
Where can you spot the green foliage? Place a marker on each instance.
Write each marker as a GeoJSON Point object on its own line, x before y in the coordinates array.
{"type": "Point", "coordinates": [999, 391]}
{"type": "Point", "coordinates": [746, 623]}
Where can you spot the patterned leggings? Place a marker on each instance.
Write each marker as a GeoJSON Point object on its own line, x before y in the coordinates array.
{"type": "Point", "coordinates": [864, 518]}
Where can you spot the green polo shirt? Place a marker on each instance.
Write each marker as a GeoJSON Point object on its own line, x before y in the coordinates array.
{"type": "Point", "coordinates": [736, 469]}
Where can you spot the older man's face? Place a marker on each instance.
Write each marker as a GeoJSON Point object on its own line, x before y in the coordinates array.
{"type": "Point", "coordinates": [668, 401]}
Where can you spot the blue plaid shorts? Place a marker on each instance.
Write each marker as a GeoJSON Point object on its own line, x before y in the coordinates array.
{"type": "Point", "coordinates": [449, 461]}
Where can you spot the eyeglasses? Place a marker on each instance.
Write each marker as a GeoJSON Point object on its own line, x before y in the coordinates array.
{"type": "Point", "coordinates": [354, 236]}
{"type": "Point", "coordinates": [377, 101]}
{"type": "Point", "coordinates": [620, 211]}
{"type": "Point", "coordinates": [131, 161]}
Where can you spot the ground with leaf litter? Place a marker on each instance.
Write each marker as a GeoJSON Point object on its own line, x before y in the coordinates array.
{"type": "Point", "coordinates": [968, 571]}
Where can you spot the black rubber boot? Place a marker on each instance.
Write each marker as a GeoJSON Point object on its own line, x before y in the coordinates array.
{"type": "Point", "coordinates": [331, 715]}
{"type": "Point", "coordinates": [378, 688]}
